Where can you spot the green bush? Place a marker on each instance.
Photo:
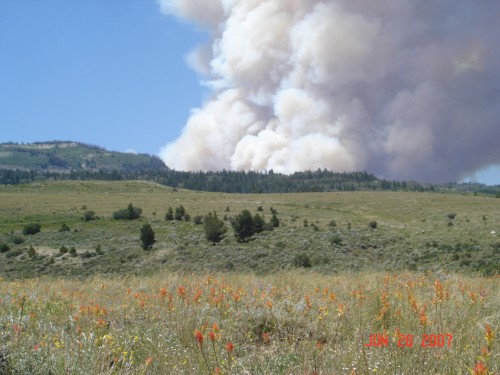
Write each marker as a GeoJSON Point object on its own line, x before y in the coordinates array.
{"type": "Point", "coordinates": [214, 228]}
{"type": "Point", "coordinates": [129, 213]}
{"type": "Point", "coordinates": [73, 252]}
{"type": "Point", "coordinates": [302, 260]}
{"type": "Point", "coordinates": [63, 249]}
{"type": "Point", "coordinates": [452, 215]}
{"type": "Point", "coordinates": [31, 228]}
{"type": "Point", "coordinates": [336, 240]}
{"type": "Point", "coordinates": [275, 222]}
{"type": "Point", "coordinates": [373, 224]}
{"type": "Point", "coordinates": [17, 240]}
{"type": "Point", "coordinates": [198, 220]}
{"type": "Point", "coordinates": [89, 216]}
{"type": "Point", "coordinates": [243, 226]}
{"type": "Point", "coordinates": [147, 237]}
{"type": "Point", "coordinates": [169, 216]}
{"type": "Point", "coordinates": [64, 228]}
{"type": "Point", "coordinates": [4, 248]}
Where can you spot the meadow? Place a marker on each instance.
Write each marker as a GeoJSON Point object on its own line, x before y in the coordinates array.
{"type": "Point", "coordinates": [291, 323]}
{"type": "Point", "coordinates": [414, 231]}
{"type": "Point", "coordinates": [422, 284]}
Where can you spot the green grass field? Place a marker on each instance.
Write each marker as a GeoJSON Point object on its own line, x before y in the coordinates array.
{"type": "Point", "coordinates": [425, 280]}
{"type": "Point", "coordinates": [414, 231]}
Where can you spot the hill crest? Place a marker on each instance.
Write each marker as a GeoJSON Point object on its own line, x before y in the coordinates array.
{"type": "Point", "coordinates": [70, 156]}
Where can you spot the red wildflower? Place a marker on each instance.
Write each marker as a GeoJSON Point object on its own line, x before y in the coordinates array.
{"type": "Point", "coordinates": [199, 337]}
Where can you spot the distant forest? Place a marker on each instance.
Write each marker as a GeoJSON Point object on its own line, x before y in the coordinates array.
{"type": "Point", "coordinates": [250, 182]}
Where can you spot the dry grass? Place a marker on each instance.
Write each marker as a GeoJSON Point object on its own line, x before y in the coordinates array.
{"type": "Point", "coordinates": [291, 323]}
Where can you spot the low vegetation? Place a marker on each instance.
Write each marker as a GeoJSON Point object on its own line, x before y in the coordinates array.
{"type": "Point", "coordinates": [290, 323]}
{"type": "Point", "coordinates": [349, 231]}
{"type": "Point", "coordinates": [295, 284]}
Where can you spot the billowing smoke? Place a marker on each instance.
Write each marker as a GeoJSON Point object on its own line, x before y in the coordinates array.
{"type": "Point", "coordinates": [405, 89]}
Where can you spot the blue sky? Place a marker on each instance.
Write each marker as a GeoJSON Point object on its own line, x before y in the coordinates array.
{"type": "Point", "coordinates": [105, 72]}
{"type": "Point", "coordinates": [111, 73]}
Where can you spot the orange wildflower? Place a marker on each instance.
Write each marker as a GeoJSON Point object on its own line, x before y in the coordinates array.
{"type": "Point", "coordinates": [181, 291]}
{"type": "Point", "coordinates": [215, 328]}
{"type": "Point", "coordinates": [163, 292]}
{"type": "Point", "coordinates": [489, 336]}
{"type": "Point", "coordinates": [480, 369]}
{"type": "Point", "coordinates": [149, 360]}
{"type": "Point", "coordinates": [211, 336]}
{"type": "Point", "coordinates": [199, 337]}
{"type": "Point", "coordinates": [229, 347]}
{"type": "Point", "coordinates": [422, 318]}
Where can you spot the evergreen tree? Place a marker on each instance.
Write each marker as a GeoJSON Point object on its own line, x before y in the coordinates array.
{"type": "Point", "coordinates": [179, 213]}
{"type": "Point", "coordinates": [214, 228]}
{"type": "Point", "coordinates": [147, 237]}
{"type": "Point", "coordinates": [170, 214]}
{"type": "Point", "coordinates": [275, 221]}
{"type": "Point", "coordinates": [258, 223]}
{"type": "Point", "coordinates": [243, 226]}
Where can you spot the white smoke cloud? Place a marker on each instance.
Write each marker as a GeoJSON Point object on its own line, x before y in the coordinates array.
{"type": "Point", "coordinates": [402, 88]}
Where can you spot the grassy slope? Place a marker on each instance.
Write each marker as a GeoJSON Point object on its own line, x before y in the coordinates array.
{"type": "Point", "coordinates": [413, 231]}
{"type": "Point", "coordinates": [77, 156]}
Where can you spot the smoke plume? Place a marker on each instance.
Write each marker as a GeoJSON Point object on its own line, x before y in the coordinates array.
{"type": "Point", "coordinates": [405, 89]}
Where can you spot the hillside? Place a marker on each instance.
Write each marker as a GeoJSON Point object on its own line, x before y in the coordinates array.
{"type": "Point", "coordinates": [334, 231]}
{"type": "Point", "coordinates": [65, 157]}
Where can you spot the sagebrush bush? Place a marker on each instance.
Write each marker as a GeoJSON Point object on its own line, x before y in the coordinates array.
{"type": "Point", "coordinates": [32, 228]}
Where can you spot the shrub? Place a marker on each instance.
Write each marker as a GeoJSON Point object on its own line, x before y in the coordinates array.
{"type": "Point", "coordinates": [336, 240]}
{"type": "Point", "coordinates": [302, 260]}
{"type": "Point", "coordinates": [373, 224]}
{"type": "Point", "coordinates": [260, 208]}
{"type": "Point", "coordinates": [98, 249]}
{"type": "Point", "coordinates": [89, 216]}
{"type": "Point", "coordinates": [73, 252]}
{"type": "Point", "coordinates": [243, 226]}
{"type": "Point", "coordinates": [169, 216]}
{"type": "Point", "coordinates": [147, 237]}
{"type": "Point", "coordinates": [332, 224]}
{"type": "Point", "coordinates": [451, 215]}
{"type": "Point", "coordinates": [17, 240]}
{"type": "Point", "coordinates": [13, 253]}
{"type": "Point", "coordinates": [214, 228]}
{"type": "Point", "coordinates": [4, 248]}
{"type": "Point", "coordinates": [275, 222]}
{"type": "Point", "coordinates": [63, 249]}
{"type": "Point", "coordinates": [64, 228]}
{"type": "Point", "coordinates": [31, 252]}
{"type": "Point", "coordinates": [31, 228]}
{"type": "Point", "coordinates": [179, 213]}
{"type": "Point", "coordinates": [198, 220]}
{"type": "Point", "coordinates": [129, 213]}
{"type": "Point", "coordinates": [258, 223]}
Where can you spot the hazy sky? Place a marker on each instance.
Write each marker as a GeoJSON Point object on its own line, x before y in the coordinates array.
{"type": "Point", "coordinates": [111, 73]}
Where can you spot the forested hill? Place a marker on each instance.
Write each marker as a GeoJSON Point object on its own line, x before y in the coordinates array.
{"type": "Point", "coordinates": [21, 164]}
{"type": "Point", "coordinates": [67, 156]}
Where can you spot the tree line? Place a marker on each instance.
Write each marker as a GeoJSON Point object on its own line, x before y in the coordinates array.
{"type": "Point", "coordinates": [249, 182]}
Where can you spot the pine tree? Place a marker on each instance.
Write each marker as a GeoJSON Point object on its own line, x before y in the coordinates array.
{"type": "Point", "coordinates": [147, 237]}
{"type": "Point", "coordinates": [275, 221]}
{"type": "Point", "coordinates": [258, 223]}
{"type": "Point", "coordinates": [170, 214]}
{"type": "Point", "coordinates": [214, 228]}
{"type": "Point", "coordinates": [243, 226]}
